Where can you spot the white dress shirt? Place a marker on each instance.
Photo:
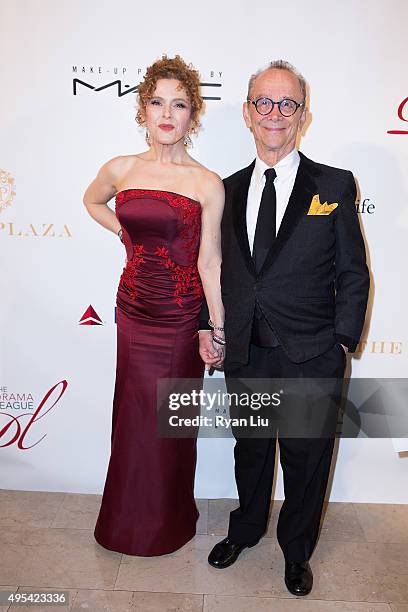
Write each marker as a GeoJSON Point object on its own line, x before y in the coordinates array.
{"type": "Point", "coordinates": [286, 170]}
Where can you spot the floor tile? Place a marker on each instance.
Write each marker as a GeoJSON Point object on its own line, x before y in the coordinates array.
{"type": "Point", "coordinates": [340, 522]}
{"type": "Point", "coordinates": [348, 571]}
{"type": "Point", "coordinates": [217, 603]}
{"type": "Point", "coordinates": [258, 572]}
{"type": "Point", "coordinates": [202, 523]}
{"type": "Point", "coordinates": [63, 558]}
{"type": "Point", "coordinates": [167, 602]}
{"type": "Point", "coordinates": [356, 571]}
{"type": "Point", "coordinates": [78, 511]}
{"type": "Point", "coordinates": [46, 540]}
{"type": "Point", "coordinates": [29, 508]}
{"type": "Point", "coordinates": [383, 522]}
{"type": "Point", "coordinates": [102, 601]}
{"type": "Point", "coordinates": [116, 601]}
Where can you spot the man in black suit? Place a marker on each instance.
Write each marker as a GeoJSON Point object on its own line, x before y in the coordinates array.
{"type": "Point", "coordinates": [295, 286]}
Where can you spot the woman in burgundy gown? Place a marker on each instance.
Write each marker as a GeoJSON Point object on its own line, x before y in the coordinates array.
{"type": "Point", "coordinates": [168, 212]}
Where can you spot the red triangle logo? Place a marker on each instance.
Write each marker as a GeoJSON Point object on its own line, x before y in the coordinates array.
{"type": "Point", "coordinates": [90, 317]}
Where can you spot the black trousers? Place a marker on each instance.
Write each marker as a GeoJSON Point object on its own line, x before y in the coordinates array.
{"type": "Point", "coordinates": [305, 461]}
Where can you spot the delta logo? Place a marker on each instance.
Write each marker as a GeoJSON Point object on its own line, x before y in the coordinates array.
{"type": "Point", "coordinates": [90, 317]}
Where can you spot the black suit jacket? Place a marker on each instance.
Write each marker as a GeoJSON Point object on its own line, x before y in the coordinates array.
{"type": "Point", "coordinates": [313, 286]}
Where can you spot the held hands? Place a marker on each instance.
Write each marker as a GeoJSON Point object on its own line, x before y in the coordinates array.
{"type": "Point", "coordinates": [211, 353]}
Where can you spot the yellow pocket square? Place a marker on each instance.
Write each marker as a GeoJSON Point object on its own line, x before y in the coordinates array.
{"type": "Point", "coordinates": [316, 208]}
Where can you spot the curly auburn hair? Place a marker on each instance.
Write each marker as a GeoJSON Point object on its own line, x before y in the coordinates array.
{"type": "Point", "coordinates": [171, 68]}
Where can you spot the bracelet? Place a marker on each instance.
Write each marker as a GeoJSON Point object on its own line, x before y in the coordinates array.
{"type": "Point", "coordinates": [120, 234]}
{"type": "Point", "coordinates": [219, 340]}
{"type": "Point", "coordinates": [211, 324]}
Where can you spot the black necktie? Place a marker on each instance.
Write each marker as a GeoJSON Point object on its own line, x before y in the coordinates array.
{"type": "Point", "coordinates": [265, 231]}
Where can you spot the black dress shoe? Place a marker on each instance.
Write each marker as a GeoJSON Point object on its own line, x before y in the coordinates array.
{"type": "Point", "coordinates": [226, 552]}
{"type": "Point", "coordinates": [298, 577]}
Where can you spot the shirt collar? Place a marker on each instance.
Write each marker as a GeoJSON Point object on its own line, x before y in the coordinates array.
{"type": "Point", "coordinates": [283, 168]}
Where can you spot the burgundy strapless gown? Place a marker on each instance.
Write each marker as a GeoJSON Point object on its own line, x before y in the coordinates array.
{"type": "Point", "coordinates": [148, 505]}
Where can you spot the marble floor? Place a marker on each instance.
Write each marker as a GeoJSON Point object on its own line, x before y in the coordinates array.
{"type": "Point", "coordinates": [46, 542]}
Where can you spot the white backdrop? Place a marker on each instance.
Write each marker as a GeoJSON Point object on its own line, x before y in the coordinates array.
{"type": "Point", "coordinates": [56, 261]}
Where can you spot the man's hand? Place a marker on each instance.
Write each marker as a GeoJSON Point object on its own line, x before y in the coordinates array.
{"type": "Point", "coordinates": [212, 356]}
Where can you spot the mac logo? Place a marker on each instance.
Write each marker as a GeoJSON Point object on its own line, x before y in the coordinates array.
{"type": "Point", "coordinates": [123, 90]}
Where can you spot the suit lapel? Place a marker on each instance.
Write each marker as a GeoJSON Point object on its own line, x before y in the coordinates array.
{"type": "Point", "coordinates": [303, 190]}
{"type": "Point", "coordinates": [239, 205]}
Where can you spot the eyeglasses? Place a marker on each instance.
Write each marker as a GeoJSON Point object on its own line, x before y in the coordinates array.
{"type": "Point", "coordinates": [287, 107]}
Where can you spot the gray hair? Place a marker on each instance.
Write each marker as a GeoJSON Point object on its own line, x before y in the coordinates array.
{"type": "Point", "coordinates": [279, 65]}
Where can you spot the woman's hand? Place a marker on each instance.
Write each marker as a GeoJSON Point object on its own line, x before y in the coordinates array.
{"type": "Point", "coordinates": [211, 353]}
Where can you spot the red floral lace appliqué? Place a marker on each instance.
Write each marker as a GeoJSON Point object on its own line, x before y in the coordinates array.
{"type": "Point", "coordinates": [190, 229]}
{"type": "Point", "coordinates": [129, 274]}
{"type": "Point", "coordinates": [191, 222]}
{"type": "Point", "coordinates": [184, 276]}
